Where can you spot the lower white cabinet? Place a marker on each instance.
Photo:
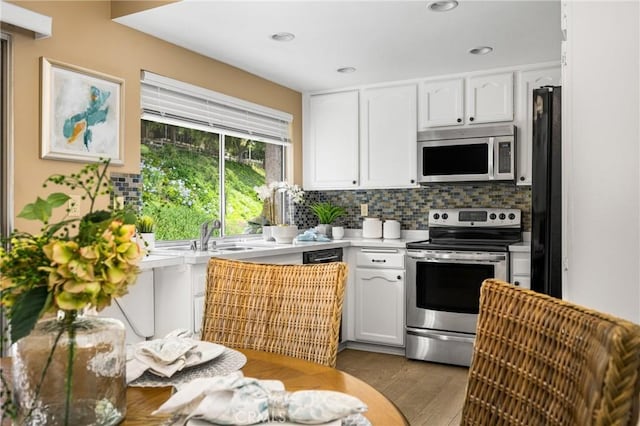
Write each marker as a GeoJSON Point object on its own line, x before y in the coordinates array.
{"type": "Point", "coordinates": [136, 309]}
{"type": "Point", "coordinates": [379, 297]}
{"type": "Point", "coordinates": [521, 269]}
{"type": "Point", "coordinates": [180, 293]}
{"type": "Point", "coordinates": [179, 298]}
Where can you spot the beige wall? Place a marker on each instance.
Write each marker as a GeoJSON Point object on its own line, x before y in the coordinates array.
{"type": "Point", "coordinates": [85, 36]}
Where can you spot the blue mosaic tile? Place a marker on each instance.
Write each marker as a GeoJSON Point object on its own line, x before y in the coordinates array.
{"type": "Point", "coordinates": [411, 206]}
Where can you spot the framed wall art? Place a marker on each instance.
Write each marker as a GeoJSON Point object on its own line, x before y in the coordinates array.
{"type": "Point", "coordinates": [82, 114]}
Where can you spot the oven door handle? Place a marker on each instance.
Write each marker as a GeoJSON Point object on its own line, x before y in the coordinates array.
{"type": "Point", "coordinates": [440, 336]}
{"type": "Point", "coordinates": [464, 258]}
{"type": "Point", "coordinates": [467, 261]}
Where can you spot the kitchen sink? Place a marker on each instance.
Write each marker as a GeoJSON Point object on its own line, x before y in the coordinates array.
{"type": "Point", "coordinates": [233, 248]}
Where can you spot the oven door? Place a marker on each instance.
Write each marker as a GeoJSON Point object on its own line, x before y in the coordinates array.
{"type": "Point", "coordinates": [444, 287]}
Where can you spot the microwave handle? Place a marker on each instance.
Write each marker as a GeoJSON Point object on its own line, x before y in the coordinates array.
{"type": "Point", "coordinates": [491, 157]}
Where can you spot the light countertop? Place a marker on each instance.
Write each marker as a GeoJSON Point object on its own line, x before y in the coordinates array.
{"type": "Point", "coordinates": [256, 248]}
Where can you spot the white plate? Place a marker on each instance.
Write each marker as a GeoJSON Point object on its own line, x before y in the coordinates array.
{"type": "Point", "coordinates": [209, 351]}
{"type": "Point", "coordinates": [193, 422]}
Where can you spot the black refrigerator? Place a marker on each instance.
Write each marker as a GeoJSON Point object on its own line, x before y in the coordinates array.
{"type": "Point", "coordinates": [546, 192]}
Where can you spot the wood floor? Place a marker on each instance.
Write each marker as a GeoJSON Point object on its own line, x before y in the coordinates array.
{"type": "Point", "coordinates": [427, 393]}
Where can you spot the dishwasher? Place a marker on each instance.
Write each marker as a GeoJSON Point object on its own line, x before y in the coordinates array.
{"type": "Point", "coordinates": [322, 256]}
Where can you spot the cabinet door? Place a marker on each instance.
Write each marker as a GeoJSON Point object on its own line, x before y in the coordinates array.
{"type": "Point", "coordinates": [135, 309]}
{"type": "Point", "coordinates": [331, 144]}
{"type": "Point", "coordinates": [379, 306]}
{"type": "Point", "coordinates": [388, 156]}
{"type": "Point", "coordinates": [198, 314]}
{"type": "Point", "coordinates": [490, 98]}
{"type": "Point", "coordinates": [173, 304]}
{"type": "Point", "coordinates": [529, 81]}
{"type": "Point", "coordinates": [441, 103]}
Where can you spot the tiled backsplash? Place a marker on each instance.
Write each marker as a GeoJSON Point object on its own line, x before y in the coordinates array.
{"type": "Point", "coordinates": [129, 186]}
{"type": "Point", "coordinates": [411, 206]}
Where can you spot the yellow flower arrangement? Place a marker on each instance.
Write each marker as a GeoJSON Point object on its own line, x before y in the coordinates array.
{"type": "Point", "coordinates": [70, 265]}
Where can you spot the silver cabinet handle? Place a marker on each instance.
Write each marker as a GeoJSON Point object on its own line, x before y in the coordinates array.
{"type": "Point", "coordinates": [379, 260]}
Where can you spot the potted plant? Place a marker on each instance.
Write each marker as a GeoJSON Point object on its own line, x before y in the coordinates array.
{"type": "Point", "coordinates": [327, 213]}
{"type": "Point", "coordinates": [145, 226]}
{"type": "Point", "coordinates": [278, 205]}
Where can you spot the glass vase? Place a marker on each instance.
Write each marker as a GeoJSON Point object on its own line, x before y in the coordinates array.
{"type": "Point", "coordinates": [70, 370]}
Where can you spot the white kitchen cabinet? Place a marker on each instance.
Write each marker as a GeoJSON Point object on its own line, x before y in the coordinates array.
{"type": "Point", "coordinates": [388, 137]}
{"type": "Point", "coordinates": [530, 80]}
{"type": "Point", "coordinates": [379, 296]}
{"type": "Point", "coordinates": [441, 103]}
{"type": "Point", "coordinates": [179, 296]}
{"type": "Point", "coordinates": [330, 150]}
{"type": "Point", "coordinates": [135, 309]}
{"type": "Point", "coordinates": [180, 293]}
{"type": "Point", "coordinates": [489, 98]}
{"type": "Point", "coordinates": [521, 269]}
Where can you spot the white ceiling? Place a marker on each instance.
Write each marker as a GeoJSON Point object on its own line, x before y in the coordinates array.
{"type": "Point", "coordinates": [384, 40]}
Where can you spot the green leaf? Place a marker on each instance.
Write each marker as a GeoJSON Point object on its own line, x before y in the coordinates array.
{"type": "Point", "coordinates": [57, 199]}
{"type": "Point", "coordinates": [40, 210]}
{"type": "Point", "coordinates": [26, 311]}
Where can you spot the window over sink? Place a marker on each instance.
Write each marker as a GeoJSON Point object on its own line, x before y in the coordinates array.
{"type": "Point", "coordinates": [202, 153]}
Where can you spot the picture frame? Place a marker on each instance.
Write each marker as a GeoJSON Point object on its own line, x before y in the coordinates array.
{"type": "Point", "coordinates": [82, 114]}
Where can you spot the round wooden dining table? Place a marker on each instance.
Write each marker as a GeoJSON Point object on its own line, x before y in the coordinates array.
{"type": "Point", "coordinates": [296, 374]}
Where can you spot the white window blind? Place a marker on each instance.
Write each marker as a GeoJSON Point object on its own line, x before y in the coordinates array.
{"type": "Point", "coordinates": [174, 102]}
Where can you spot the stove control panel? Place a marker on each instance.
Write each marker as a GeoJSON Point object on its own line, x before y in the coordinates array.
{"type": "Point", "coordinates": [488, 217]}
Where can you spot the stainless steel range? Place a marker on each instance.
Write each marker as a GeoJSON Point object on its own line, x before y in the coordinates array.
{"type": "Point", "coordinates": [444, 275]}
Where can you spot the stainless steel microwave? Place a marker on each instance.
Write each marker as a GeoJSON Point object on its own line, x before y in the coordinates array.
{"type": "Point", "coordinates": [470, 154]}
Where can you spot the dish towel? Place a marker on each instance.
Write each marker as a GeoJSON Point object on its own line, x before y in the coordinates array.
{"type": "Point", "coordinates": [237, 400]}
{"type": "Point", "coordinates": [164, 357]}
{"type": "Point", "coordinates": [312, 235]}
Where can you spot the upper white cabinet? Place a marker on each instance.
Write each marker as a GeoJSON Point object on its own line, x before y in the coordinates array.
{"type": "Point", "coordinates": [330, 149]}
{"type": "Point", "coordinates": [530, 80]}
{"type": "Point", "coordinates": [490, 98]}
{"type": "Point", "coordinates": [441, 103]}
{"type": "Point", "coordinates": [388, 137]}
{"type": "Point", "coordinates": [361, 139]}
{"type": "Point", "coordinates": [485, 98]}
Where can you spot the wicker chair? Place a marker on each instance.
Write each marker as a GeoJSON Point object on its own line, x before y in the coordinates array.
{"type": "Point", "coordinates": [292, 310]}
{"type": "Point", "coordinates": [538, 360]}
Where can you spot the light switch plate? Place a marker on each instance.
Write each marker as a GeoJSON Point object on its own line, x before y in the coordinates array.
{"type": "Point", "coordinates": [364, 209]}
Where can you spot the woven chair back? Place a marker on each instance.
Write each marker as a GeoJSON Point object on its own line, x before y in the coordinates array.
{"type": "Point", "coordinates": [538, 360]}
{"type": "Point", "coordinates": [292, 310]}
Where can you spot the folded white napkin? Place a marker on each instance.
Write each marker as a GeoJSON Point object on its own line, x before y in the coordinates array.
{"type": "Point", "coordinates": [237, 400]}
{"type": "Point", "coordinates": [164, 357]}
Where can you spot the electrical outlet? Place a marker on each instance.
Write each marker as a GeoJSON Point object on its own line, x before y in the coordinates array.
{"type": "Point", "coordinates": [74, 206]}
{"type": "Point", "coordinates": [364, 209]}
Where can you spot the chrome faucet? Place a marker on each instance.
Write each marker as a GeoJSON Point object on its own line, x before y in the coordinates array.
{"type": "Point", "coordinates": [206, 229]}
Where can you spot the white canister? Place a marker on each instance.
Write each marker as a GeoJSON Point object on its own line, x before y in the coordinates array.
{"type": "Point", "coordinates": [371, 227]}
{"type": "Point", "coordinates": [391, 229]}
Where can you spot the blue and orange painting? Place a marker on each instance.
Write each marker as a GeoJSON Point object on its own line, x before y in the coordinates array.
{"type": "Point", "coordinates": [84, 115]}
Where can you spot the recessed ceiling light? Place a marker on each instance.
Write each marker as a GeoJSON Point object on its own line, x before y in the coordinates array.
{"type": "Point", "coordinates": [443, 6]}
{"type": "Point", "coordinates": [346, 70]}
{"type": "Point", "coordinates": [481, 50]}
{"type": "Point", "coordinates": [283, 36]}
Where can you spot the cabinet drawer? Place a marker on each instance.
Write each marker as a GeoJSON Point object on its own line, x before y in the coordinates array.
{"type": "Point", "coordinates": [520, 264]}
{"type": "Point", "coordinates": [380, 259]}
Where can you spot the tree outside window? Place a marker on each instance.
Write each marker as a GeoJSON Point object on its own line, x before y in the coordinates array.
{"type": "Point", "coordinates": [181, 179]}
